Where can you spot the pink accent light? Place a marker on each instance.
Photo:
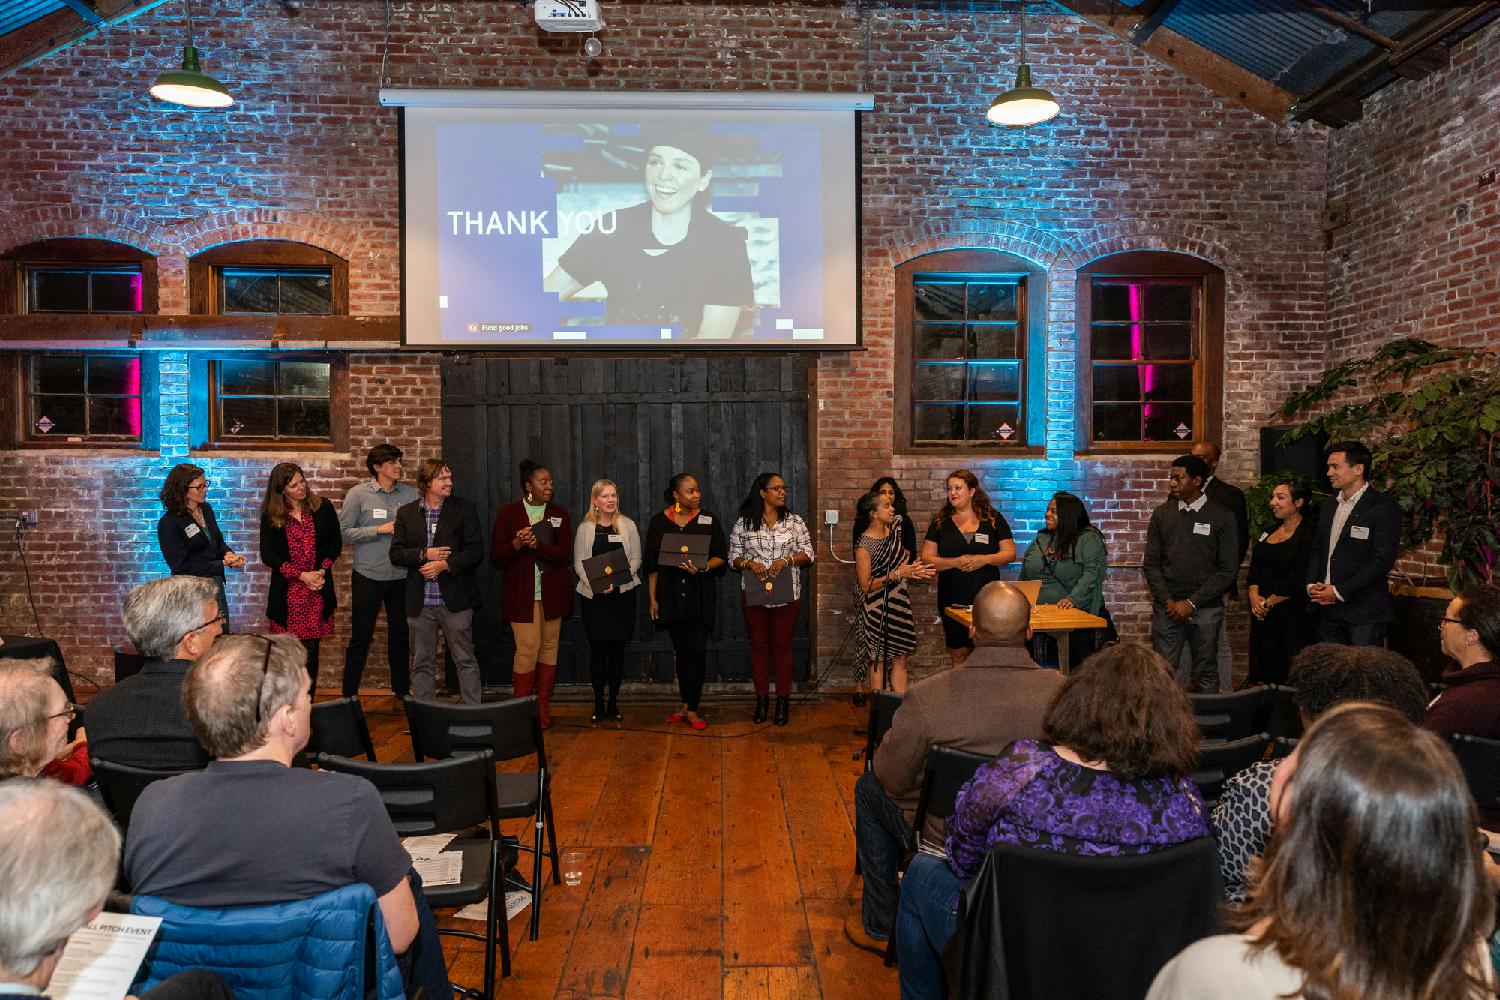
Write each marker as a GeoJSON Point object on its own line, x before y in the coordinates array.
{"type": "Point", "coordinates": [133, 385]}
{"type": "Point", "coordinates": [137, 293]}
{"type": "Point", "coordinates": [1138, 350]}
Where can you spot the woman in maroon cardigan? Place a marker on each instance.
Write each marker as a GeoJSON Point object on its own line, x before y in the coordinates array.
{"type": "Point", "coordinates": [531, 545]}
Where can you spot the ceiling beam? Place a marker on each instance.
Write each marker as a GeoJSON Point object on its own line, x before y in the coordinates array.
{"type": "Point", "coordinates": [1210, 69]}
{"type": "Point", "coordinates": [1154, 15]}
{"type": "Point", "coordinates": [85, 10]}
{"type": "Point", "coordinates": [61, 29]}
{"type": "Point", "coordinates": [1349, 24]}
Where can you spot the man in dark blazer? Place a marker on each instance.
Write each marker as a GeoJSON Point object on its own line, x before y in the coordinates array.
{"type": "Point", "coordinates": [1230, 496]}
{"type": "Point", "coordinates": [140, 721]}
{"type": "Point", "coordinates": [1354, 548]}
{"type": "Point", "coordinates": [438, 535]}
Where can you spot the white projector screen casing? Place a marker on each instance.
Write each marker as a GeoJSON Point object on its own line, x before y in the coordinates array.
{"type": "Point", "coordinates": [528, 220]}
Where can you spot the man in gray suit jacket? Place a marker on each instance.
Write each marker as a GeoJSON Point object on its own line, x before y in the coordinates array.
{"type": "Point", "coordinates": [996, 697]}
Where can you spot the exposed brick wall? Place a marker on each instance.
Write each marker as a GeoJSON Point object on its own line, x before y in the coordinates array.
{"type": "Point", "coordinates": [1142, 158]}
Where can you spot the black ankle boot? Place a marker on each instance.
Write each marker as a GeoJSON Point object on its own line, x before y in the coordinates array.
{"type": "Point", "coordinates": [612, 710]}
{"type": "Point", "coordinates": [783, 709]}
{"type": "Point", "coordinates": [762, 706]}
{"type": "Point", "coordinates": [599, 708]}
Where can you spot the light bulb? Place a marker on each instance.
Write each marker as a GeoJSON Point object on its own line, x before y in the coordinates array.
{"type": "Point", "coordinates": [592, 47]}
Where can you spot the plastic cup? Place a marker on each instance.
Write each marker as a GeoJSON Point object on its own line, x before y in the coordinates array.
{"type": "Point", "coordinates": [572, 867]}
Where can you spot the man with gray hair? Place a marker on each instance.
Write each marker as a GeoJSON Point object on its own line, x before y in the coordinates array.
{"type": "Point", "coordinates": [58, 853]}
{"type": "Point", "coordinates": [139, 721]}
{"type": "Point", "coordinates": [250, 829]}
{"type": "Point", "coordinates": [34, 717]}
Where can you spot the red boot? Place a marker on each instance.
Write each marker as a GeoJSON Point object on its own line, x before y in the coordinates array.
{"type": "Point", "coordinates": [546, 679]}
{"type": "Point", "coordinates": [524, 684]}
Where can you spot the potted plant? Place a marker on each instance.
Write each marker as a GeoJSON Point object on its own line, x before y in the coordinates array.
{"type": "Point", "coordinates": [1429, 415]}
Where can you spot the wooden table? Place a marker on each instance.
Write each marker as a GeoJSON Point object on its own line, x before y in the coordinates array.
{"type": "Point", "coordinates": [1049, 618]}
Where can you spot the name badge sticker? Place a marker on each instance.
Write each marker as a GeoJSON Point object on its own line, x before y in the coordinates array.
{"type": "Point", "coordinates": [705, 519]}
{"type": "Point", "coordinates": [192, 531]}
{"type": "Point", "coordinates": [378, 513]}
{"type": "Point", "coordinates": [616, 538]}
{"type": "Point", "coordinates": [1200, 528]}
{"type": "Point", "coordinates": [1263, 536]}
{"type": "Point", "coordinates": [980, 538]}
{"type": "Point", "coordinates": [556, 522]}
{"type": "Point", "coordinates": [1358, 531]}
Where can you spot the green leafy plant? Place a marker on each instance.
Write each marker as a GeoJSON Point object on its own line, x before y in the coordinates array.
{"type": "Point", "coordinates": [1429, 415]}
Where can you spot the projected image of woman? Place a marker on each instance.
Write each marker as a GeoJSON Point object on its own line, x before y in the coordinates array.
{"type": "Point", "coordinates": [667, 261]}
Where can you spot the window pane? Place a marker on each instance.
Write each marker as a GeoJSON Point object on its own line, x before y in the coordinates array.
{"type": "Point", "coordinates": [303, 378]}
{"type": "Point", "coordinates": [1170, 383]}
{"type": "Point", "coordinates": [304, 418]}
{"type": "Point", "coordinates": [118, 293]}
{"type": "Point", "coordinates": [1112, 302]}
{"type": "Point", "coordinates": [940, 381]}
{"type": "Point", "coordinates": [1117, 382]}
{"type": "Point", "coordinates": [1169, 302]}
{"type": "Point", "coordinates": [247, 378]}
{"type": "Point", "coordinates": [937, 299]}
{"type": "Point", "coordinates": [308, 294]}
{"type": "Point", "coordinates": [992, 302]}
{"type": "Point", "coordinates": [57, 416]}
{"type": "Point", "coordinates": [57, 374]}
{"type": "Point", "coordinates": [939, 341]}
{"type": "Point", "coordinates": [249, 292]}
{"type": "Point", "coordinates": [1169, 422]}
{"type": "Point", "coordinates": [993, 341]}
{"type": "Point", "coordinates": [1117, 422]}
{"type": "Point", "coordinates": [247, 418]}
{"type": "Point", "coordinates": [1169, 340]}
{"type": "Point", "coordinates": [60, 291]}
{"type": "Point", "coordinates": [995, 381]}
{"type": "Point", "coordinates": [939, 422]}
{"type": "Point", "coordinates": [1114, 341]}
{"type": "Point", "coordinates": [115, 376]}
{"type": "Point", "coordinates": [115, 416]}
{"type": "Point", "coordinates": [994, 422]}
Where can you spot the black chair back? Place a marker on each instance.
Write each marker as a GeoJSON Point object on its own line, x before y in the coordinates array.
{"type": "Point", "coordinates": [120, 785]}
{"type": "Point", "coordinates": [1281, 747]}
{"type": "Point", "coordinates": [338, 727]}
{"type": "Point", "coordinates": [1280, 716]}
{"type": "Point", "coordinates": [948, 770]}
{"type": "Point", "coordinates": [1230, 716]}
{"type": "Point", "coordinates": [883, 705]}
{"type": "Point", "coordinates": [1134, 912]}
{"type": "Point", "coordinates": [1480, 760]}
{"type": "Point", "coordinates": [434, 797]}
{"type": "Point", "coordinates": [507, 729]}
{"type": "Point", "coordinates": [1218, 762]}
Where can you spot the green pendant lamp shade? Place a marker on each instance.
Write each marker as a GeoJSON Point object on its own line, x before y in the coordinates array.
{"type": "Point", "coordinates": [190, 86]}
{"type": "Point", "coordinates": [1023, 104]}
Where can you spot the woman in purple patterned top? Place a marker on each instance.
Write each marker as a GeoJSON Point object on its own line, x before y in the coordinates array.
{"type": "Point", "coordinates": [1108, 777]}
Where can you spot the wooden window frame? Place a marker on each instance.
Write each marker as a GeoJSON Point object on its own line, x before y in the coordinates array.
{"type": "Point", "coordinates": [72, 252]}
{"type": "Point", "coordinates": [1208, 375]}
{"type": "Point", "coordinates": [1031, 328]}
{"type": "Point", "coordinates": [204, 285]}
{"type": "Point", "coordinates": [204, 411]}
{"type": "Point", "coordinates": [15, 371]}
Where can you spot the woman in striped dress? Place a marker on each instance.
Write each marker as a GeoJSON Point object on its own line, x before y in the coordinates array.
{"type": "Point", "coordinates": [883, 566]}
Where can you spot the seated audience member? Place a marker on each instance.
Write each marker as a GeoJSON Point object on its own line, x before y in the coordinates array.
{"type": "Point", "coordinates": [140, 721]}
{"type": "Point", "coordinates": [1374, 885]}
{"type": "Point", "coordinates": [1470, 634]}
{"type": "Point", "coordinates": [1325, 674]}
{"type": "Point", "coordinates": [34, 717]}
{"type": "Point", "coordinates": [249, 829]}
{"type": "Point", "coordinates": [996, 696]}
{"type": "Point", "coordinates": [1069, 557]}
{"type": "Point", "coordinates": [58, 854]}
{"type": "Point", "coordinates": [1108, 777]}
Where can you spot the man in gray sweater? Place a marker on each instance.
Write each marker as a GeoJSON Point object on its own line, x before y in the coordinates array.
{"type": "Point", "coordinates": [1192, 555]}
{"type": "Point", "coordinates": [996, 697]}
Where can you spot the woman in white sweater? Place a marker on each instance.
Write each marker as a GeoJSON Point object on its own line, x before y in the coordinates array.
{"type": "Point", "coordinates": [608, 615]}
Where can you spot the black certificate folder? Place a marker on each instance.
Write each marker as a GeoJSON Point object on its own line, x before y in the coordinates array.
{"type": "Point", "coordinates": [775, 590]}
{"type": "Point", "coordinates": [611, 569]}
{"type": "Point", "coordinates": [678, 549]}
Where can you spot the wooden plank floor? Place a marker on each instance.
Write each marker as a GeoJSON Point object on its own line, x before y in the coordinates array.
{"type": "Point", "coordinates": [719, 864]}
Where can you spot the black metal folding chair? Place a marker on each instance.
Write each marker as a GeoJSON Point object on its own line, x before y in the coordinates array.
{"type": "Point", "coordinates": [1230, 716]}
{"type": "Point", "coordinates": [509, 730]}
{"type": "Point", "coordinates": [120, 785]}
{"type": "Point", "coordinates": [339, 728]}
{"type": "Point", "coordinates": [1218, 762]}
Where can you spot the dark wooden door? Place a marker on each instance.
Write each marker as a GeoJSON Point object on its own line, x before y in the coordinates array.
{"type": "Point", "coordinates": [636, 421]}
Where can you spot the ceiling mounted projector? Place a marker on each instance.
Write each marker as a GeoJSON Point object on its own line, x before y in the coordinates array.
{"type": "Point", "coordinates": [568, 15]}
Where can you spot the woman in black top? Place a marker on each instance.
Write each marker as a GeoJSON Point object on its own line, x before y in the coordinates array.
{"type": "Point", "coordinates": [683, 599]}
{"type": "Point", "coordinates": [1280, 623]}
{"type": "Point", "coordinates": [887, 487]}
{"type": "Point", "coordinates": [967, 543]}
{"type": "Point", "coordinates": [189, 536]}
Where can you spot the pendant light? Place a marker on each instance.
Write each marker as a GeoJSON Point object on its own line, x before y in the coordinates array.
{"type": "Point", "coordinates": [190, 86]}
{"type": "Point", "coordinates": [1023, 104]}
